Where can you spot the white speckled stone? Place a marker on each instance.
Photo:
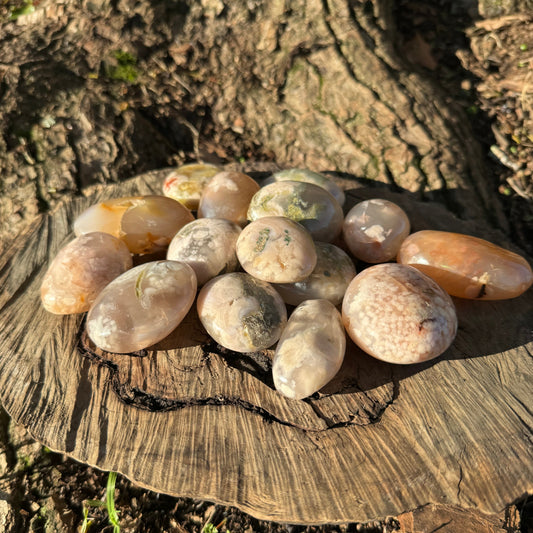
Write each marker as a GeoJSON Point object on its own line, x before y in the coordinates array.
{"type": "Point", "coordinates": [374, 230]}
{"type": "Point", "coordinates": [142, 306]}
{"type": "Point", "coordinates": [241, 313]}
{"type": "Point", "coordinates": [310, 205]}
{"type": "Point", "coordinates": [277, 250]}
{"type": "Point", "coordinates": [186, 183]}
{"type": "Point", "coordinates": [399, 315]}
{"type": "Point", "coordinates": [329, 280]}
{"type": "Point", "coordinates": [303, 174]}
{"type": "Point", "coordinates": [310, 351]}
{"type": "Point", "coordinates": [146, 224]}
{"type": "Point", "coordinates": [208, 246]}
{"type": "Point", "coordinates": [80, 270]}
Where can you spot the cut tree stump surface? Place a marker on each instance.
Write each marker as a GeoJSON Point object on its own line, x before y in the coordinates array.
{"type": "Point", "coordinates": [189, 418]}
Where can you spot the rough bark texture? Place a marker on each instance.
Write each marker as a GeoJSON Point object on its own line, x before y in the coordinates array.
{"type": "Point", "coordinates": [190, 419]}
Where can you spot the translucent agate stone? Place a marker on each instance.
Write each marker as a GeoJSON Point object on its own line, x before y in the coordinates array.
{"type": "Point", "coordinates": [186, 183]}
{"type": "Point", "coordinates": [466, 266]}
{"type": "Point", "coordinates": [310, 351]}
{"type": "Point", "coordinates": [146, 224]}
{"type": "Point", "coordinates": [310, 205]}
{"type": "Point", "coordinates": [80, 270]}
{"type": "Point", "coordinates": [241, 313]}
{"type": "Point", "coordinates": [277, 250]}
{"type": "Point", "coordinates": [302, 174]}
{"type": "Point", "coordinates": [374, 230]}
{"type": "Point", "coordinates": [399, 315]}
{"type": "Point", "coordinates": [329, 280]}
{"type": "Point", "coordinates": [228, 195]}
{"type": "Point", "coordinates": [208, 246]}
{"type": "Point", "coordinates": [142, 306]}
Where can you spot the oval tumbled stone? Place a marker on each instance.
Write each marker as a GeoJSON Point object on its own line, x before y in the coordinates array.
{"type": "Point", "coordinates": [80, 270]}
{"type": "Point", "coordinates": [208, 246]}
{"type": "Point", "coordinates": [142, 306]}
{"type": "Point", "coordinates": [146, 224]}
{"type": "Point", "coordinates": [310, 351]}
{"type": "Point", "coordinates": [374, 230]}
{"type": "Point", "coordinates": [241, 313]}
{"type": "Point", "coordinates": [329, 280]}
{"type": "Point", "coordinates": [399, 315]}
{"type": "Point", "coordinates": [277, 250]}
{"type": "Point", "coordinates": [467, 267]}
{"type": "Point", "coordinates": [310, 205]}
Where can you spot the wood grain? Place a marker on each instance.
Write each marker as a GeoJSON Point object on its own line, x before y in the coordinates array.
{"type": "Point", "coordinates": [188, 418]}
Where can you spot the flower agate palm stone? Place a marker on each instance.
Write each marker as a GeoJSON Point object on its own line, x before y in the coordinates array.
{"type": "Point", "coordinates": [277, 250]}
{"type": "Point", "coordinates": [208, 246]}
{"type": "Point", "coordinates": [241, 313]}
{"type": "Point", "coordinates": [303, 174]}
{"type": "Point", "coordinates": [329, 280]}
{"type": "Point", "coordinates": [228, 195]}
{"type": "Point", "coordinates": [146, 224]}
{"type": "Point", "coordinates": [466, 266]}
{"type": "Point", "coordinates": [81, 270]}
{"type": "Point", "coordinates": [186, 183]}
{"type": "Point", "coordinates": [310, 205]}
{"type": "Point", "coordinates": [374, 230]}
{"type": "Point", "coordinates": [398, 314]}
{"type": "Point", "coordinates": [310, 351]}
{"type": "Point", "coordinates": [142, 306]}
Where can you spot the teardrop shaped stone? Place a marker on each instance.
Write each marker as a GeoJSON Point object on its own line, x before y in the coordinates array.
{"type": "Point", "coordinates": [310, 351]}
{"type": "Point", "coordinates": [277, 250]}
{"type": "Point", "coordinates": [208, 246]}
{"type": "Point", "coordinates": [241, 313]}
{"type": "Point", "coordinates": [303, 174]}
{"type": "Point", "coordinates": [142, 306]}
{"type": "Point", "coordinates": [398, 314]}
{"type": "Point", "coordinates": [374, 230]}
{"type": "Point", "coordinates": [146, 224]}
{"type": "Point", "coordinates": [467, 267]}
{"type": "Point", "coordinates": [329, 280]}
{"type": "Point", "coordinates": [228, 196]}
{"type": "Point", "coordinates": [186, 183]}
{"type": "Point", "coordinates": [80, 270]}
{"type": "Point", "coordinates": [310, 205]}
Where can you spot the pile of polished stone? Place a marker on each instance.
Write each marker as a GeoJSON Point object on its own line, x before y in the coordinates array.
{"type": "Point", "coordinates": [254, 250]}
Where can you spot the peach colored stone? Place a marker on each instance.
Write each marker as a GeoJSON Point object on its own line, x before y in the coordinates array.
{"type": "Point", "coordinates": [241, 313]}
{"type": "Point", "coordinates": [146, 224]}
{"type": "Point", "coordinates": [277, 250]}
{"type": "Point", "coordinates": [142, 306]}
{"type": "Point", "coordinates": [228, 195]}
{"type": "Point", "coordinates": [208, 246]}
{"type": "Point", "coordinates": [310, 351]}
{"type": "Point", "coordinates": [466, 266]}
{"type": "Point", "coordinates": [374, 230]}
{"type": "Point", "coordinates": [80, 270]}
{"type": "Point", "coordinates": [399, 315]}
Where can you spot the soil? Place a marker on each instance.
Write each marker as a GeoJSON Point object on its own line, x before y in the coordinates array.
{"type": "Point", "coordinates": [486, 64]}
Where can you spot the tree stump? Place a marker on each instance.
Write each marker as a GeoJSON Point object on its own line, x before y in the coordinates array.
{"type": "Point", "coordinates": [188, 418]}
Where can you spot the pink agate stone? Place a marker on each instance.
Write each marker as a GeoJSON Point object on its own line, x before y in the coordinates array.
{"type": "Point", "coordinates": [146, 224]}
{"type": "Point", "coordinates": [81, 270]}
{"type": "Point", "coordinates": [142, 306]}
{"type": "Point", "coordinates": [399, 315]}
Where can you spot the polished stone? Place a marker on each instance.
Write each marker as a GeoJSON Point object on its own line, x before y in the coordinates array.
{"type": "Point", "coordinates": [80, 270]}
{"type": "Point", "coordinates": [398, 314]}
{"type": "Point", "coordinates": [374, 230]}
{"type": "Point", "coordinates": [142, 306]}
{"type": "Point", "coordinates": [208, 246]}
{"type": "Point", "coordinates": [277, 250]}
{"type": "Point", "coordinates": [310, 351]}
{"type": "Point", "coordinates": [241, 313]}
{"type": "Point", "coordinates": [466, 266]}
